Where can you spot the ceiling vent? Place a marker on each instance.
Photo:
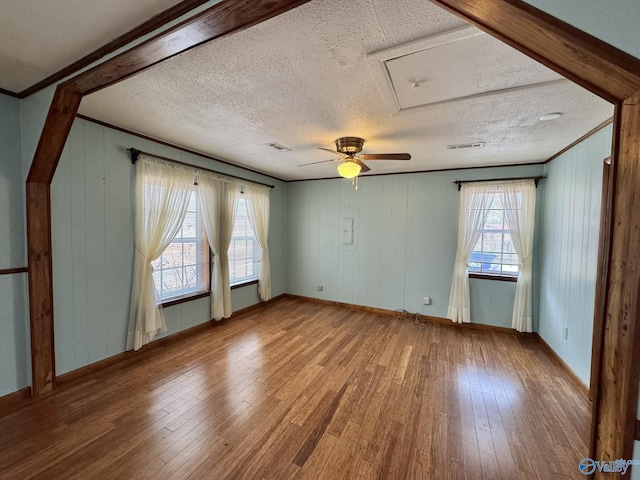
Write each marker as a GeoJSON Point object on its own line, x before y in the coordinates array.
{"type": "Point", "coordinates": [280, 148]}
{"type": "Point", "coordinates": [461, 146]}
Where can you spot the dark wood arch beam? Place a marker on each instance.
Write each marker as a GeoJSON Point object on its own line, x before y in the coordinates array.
{"type": "Point", "coordinates": [589, 62]}
{"type": "Point", "coordinates": [225, 18]}
{"type": "Point", "coordinates": [615, 76]}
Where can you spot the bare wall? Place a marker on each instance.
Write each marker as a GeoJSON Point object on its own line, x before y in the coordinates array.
{"type": "Point", "coordinates": [404, 246]}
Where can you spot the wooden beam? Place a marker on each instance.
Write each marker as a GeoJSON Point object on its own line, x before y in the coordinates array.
{"type": "Point", "coordinates": [604, 250]}
{"type": "Point", "coordinates": [617, 400]}
{"type": "Point", "coordinates": [54, 135]}
{"type": "Point", "coordinates": [615, 76]}
{"type": "Point", "coordinates": [40, 288]}
{"type": "Point", "coordinates": [149, 26]}
{"type": "Point", "coordinates": [222, 19]}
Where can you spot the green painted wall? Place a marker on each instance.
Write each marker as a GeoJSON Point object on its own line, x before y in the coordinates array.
{"type": "Point", "coordinates": [404, 247]}
{"type": "Point", "coordinates": [92, 234]}
{"type": "Point", "coordinates": [570, 229]}
{"type": "Point", "coordinates": [14, 341]}
{"type": "Point", "coordinates": [613, 21]}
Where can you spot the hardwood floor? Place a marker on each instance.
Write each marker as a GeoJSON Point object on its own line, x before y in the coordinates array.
{"type": "Point", "coordinates": [308, 391]}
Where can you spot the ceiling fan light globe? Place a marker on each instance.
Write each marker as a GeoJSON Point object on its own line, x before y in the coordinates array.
{"type": "Point", "coordinates": [349, 169]}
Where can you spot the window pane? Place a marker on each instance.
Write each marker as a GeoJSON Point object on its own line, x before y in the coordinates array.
{"type": "Point", "coordinates": [491, 268]}
{"type": "Point", "coordinates": [183, 267]}
{"type": "Point", "coordinates": [190, 253]}
{"type": "Point", "coordinates": [494, 252]}
{"type": "Point", "coordinates": [474, 266]}
{"type": "Point", "coordinates": [510, 270]}
{"type": "Point", "coordinates": [494, 219]}
{"type": "Point", "coordinates": [508, 244]}
{"type": "Point", "coordinates": [189, 226]}
{"type": "Point", "coordinates": [243, 256]}
{"type": "Point", "coordinates": [496, 202]}
{"type": "Point", "coordinates": [510, 259]}
{"type": "Point", "coordinates": [492, 242]}
{"type": "Point", "coordinates": [190, 276]}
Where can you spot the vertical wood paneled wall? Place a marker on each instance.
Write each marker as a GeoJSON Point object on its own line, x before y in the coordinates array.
{"type": "Point", "coordinates": [404, 247]}
{"type": "Point", "coordinates": [615, 23]}
{"type": "Point", "coordinates": [92, 197]}
{"type": "Point", "coordinates": [569, 249]}
{"type": "Point", "coordinates": [14, 337]}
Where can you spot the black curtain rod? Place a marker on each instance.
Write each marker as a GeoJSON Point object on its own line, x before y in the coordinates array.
{"type": "Point", "coordinates": [535, 179]}
{"type": "Point", "coordinates": [136, 153]}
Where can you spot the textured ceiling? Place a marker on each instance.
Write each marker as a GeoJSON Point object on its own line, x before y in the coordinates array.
{"type": "Point", "coordinates": [302, 80]}
{"type": "Point", "coordinates": [40, 37]}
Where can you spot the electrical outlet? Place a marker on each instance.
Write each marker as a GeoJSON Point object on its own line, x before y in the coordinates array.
{"type": "Point", "coordinates": [426, 301]}
{"type": "Point", "coordinates": [565, 332]}
{"type": "Point", "coordinates": [320, 288]}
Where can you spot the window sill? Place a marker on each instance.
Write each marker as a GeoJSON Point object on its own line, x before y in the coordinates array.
{"type": "Point", "coordinates": [196, 296]}
{"type": "Point", "coordinates": [500, 278]}
{"type": "Point", "coordinates": [186, 298]}
{"type": "Point", "coordinates": [244, 284]}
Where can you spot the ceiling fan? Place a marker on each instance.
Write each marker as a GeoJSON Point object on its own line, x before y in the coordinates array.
{"type": "Point", "coordinates": [352, 164]}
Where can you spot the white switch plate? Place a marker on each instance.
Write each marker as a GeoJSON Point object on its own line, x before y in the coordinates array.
{"type": "Point", "coordinates": [426, 301]}
{"type": "Point", "coordinates": [565, 332]}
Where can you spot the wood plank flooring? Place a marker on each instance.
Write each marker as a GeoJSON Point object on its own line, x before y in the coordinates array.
{"type": "Point", "coordinates": [300, 390]}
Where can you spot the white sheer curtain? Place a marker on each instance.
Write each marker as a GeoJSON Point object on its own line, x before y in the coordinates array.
{"type": "Point", "coordinates": [258, 198]}
{"type": "Point", "coordinates": [219, 205]}
{"type": "Point", "coordinates": [519, 202]}
{"type": "Point", "coordinates": [473, 199]}
{"type": "Point", "coordinates": [162, 196]}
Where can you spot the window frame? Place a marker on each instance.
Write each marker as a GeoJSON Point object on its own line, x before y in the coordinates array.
{"type": "Point", "coordinates": [202, 244]}
{"type": "Point", "coordinates": [248, 280]}
{"type": "Point", "coordinates": [487, 275]}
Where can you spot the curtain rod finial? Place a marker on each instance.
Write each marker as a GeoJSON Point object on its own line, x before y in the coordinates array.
{"type": "Point", "coordinates": [134, 155]}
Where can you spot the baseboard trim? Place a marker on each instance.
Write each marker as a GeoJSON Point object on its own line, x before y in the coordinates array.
{"type": "Point", "coordinates": [9, 403]}
{"type": "Point", "coordinates": [12, 401]}
{"type": "Point", "coordinates": [257, 306]}
{"type": "Point", "coordinates": [444, 322]}
{"type": "Point", "coordinates": [82, 372]}
{"type": "Point", "coordinates": [558, 359]}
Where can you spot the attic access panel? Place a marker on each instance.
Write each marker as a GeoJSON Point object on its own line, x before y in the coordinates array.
{"type": "Point", "coordinates": [460, 64]}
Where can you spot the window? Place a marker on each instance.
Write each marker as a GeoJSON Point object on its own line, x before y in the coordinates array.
{"type": "Point", "coordinates": [494, 253]}
{"type": "Point", "coordinates": [244, 251]}
{"type": "Point", "coordinates": [183, 268]}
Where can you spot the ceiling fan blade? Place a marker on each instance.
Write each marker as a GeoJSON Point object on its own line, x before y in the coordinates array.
{"type": "Point", "coordinates": [322, 161]}
{"type": "Point", "coordinates": [386, 156]}
{"type": "Point", "coordinates": [327, 150]}
{"type": "Point", "coordinates": [363, 167]}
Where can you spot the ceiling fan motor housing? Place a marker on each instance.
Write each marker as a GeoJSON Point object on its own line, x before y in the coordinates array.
{"type": "Point", "coordinates": [349, 145]}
